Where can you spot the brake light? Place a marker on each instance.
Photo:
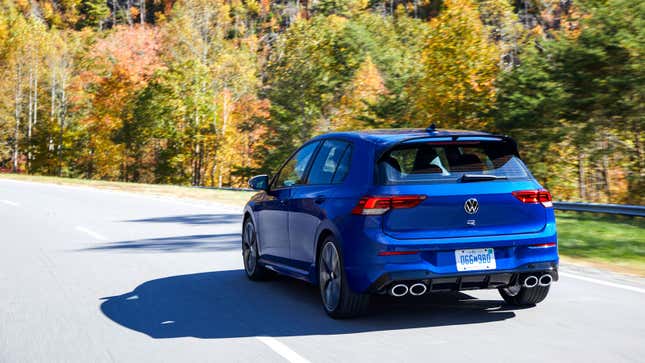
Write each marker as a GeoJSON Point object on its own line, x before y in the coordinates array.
{"type": "Point", "coordinates": [379, 205]}
{"type": "Point", "coordinates": [541, 196]}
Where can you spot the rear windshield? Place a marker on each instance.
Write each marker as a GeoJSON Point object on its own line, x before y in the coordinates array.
{"type": "Point", "coordinates": [446, 162]}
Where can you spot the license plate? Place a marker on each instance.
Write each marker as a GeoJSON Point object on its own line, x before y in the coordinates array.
{"type": "Point", "coordinates": [475, 259]}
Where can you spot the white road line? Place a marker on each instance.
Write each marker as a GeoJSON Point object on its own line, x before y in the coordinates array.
{"type": "Point", "coordinates": [91, 233]}
{"type": "Point", "coordinates": [283, 350]}
{"type": "Point", "coordinates": [9, 202]}
{"type": "Point", "coordinates": [601, 282]}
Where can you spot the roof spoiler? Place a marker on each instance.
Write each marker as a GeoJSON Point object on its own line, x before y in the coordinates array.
{"type": "Point", "coordinates": [503, 138]}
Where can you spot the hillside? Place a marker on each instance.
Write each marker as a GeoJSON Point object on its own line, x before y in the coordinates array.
{"type": "Point", "coordinates": [210, 92]}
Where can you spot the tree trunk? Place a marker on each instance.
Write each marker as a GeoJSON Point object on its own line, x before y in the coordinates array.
{"type": "Point", "coordinates": [35, 96]}
{"type": "Point", "coordinates": [17, 114]}
{"type": "Point", "coordinates": [142, 11]}
{"type": "Point", "coordinates": [605, 167]}
{"type": "Point", "coordinates": [212, 172]}
{"type": "Point", "coordinates": [33, 110]}
{"type": "Point", "coordinates": [638, 149]}
{"type": "Point", "coordinates": [61, 117]}
{"type": "Point", "coordinates": [90, 169]}
{"type": "Point", "coordinates": [193, 166]}
{"type": "Point", "coordinates": [114, 9]}
{"type": "Point", "coordinates": [200, 180]}
{"type": "Point", "coordinates": [581, 176]}
{"type": "Point", "coordinates": [635, 182]}
{"type": "Point", "coordinates": [30, 106]}
{"type": "Point", "coordinates": [225, 115]}
{"type": "Point", "coordinates": [128, 16]}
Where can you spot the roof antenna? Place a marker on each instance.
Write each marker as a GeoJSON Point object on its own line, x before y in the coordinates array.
{"type": "Point", "coordinates": [432, 128]}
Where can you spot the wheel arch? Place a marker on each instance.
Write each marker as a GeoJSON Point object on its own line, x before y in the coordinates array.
{"type": "Point", "coordinates": [246, 215]}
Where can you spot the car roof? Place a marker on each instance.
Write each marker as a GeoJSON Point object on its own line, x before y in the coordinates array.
{"type": "Point", "coordinates": [384, 137]}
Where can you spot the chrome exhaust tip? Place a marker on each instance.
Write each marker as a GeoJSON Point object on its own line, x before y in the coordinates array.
{"type": "Point", "coordinates": [530, 282]}
{"type": "Point", "coordinates": [399, 290]}
{"type": "Point", "coordinates": [418, 289]}
{"type": "Point", "coordinates": [545, 280]}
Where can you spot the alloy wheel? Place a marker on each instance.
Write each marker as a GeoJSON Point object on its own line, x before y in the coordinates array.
{"type": "Point", "coordinates": [330, 276]}
{"type": "Point", "coordinates": [249, 248]}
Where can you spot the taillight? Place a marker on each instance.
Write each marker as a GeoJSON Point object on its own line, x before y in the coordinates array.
{"type": "Point", "coordinates": [541, 196]}
{"type": "Point", "coordinates": [380, 205]}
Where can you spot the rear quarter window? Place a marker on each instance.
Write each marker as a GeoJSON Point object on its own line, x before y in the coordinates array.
{"type": "Point", "coordinates": [331, 164]}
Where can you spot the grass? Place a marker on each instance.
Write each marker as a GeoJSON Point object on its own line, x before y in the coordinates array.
{"type": "Point", "coordinates": [613, 242]}
{"type": "Point", "coordinates": [230, 197]}
{"type": "Point", "coordinates": [608, 240]}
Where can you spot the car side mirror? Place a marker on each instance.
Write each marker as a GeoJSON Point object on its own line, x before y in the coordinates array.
{"type": "Point", "coordinates": [259, 182]}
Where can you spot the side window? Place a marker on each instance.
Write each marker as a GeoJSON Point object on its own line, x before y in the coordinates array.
{"type": "Point", "coordinates": [294, 170]}
{"type": "Point", "coordinates": [343, 166]}
{"type": "Point", "coordinates": [328, 161]}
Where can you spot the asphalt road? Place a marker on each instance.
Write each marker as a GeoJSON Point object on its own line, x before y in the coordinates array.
{"type": "Point", "coordinates": [89, 275]}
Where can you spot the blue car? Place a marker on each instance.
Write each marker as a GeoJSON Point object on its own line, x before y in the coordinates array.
{"type": "Point", "coordinates": [403, 212]}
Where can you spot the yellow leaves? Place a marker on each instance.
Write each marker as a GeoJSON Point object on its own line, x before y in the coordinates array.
{"type": "Point", "coordinates": [237, 148]}
{"type": "Point", "coordinates": [337, 23]}
{"type": "Point", "coordinates": [356, 6]}
{"type": "Point", "coordinates": [460, 65]}
{"type": "Point", "coordinates": [363, 92]}
{"type": "Point", "coordinates": [160, 17]}
{"type": "Point", "coordinates": [23, 5]}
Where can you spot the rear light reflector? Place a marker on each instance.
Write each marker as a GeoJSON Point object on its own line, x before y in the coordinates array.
{"type": "Point", "coordinates": [543, 245]}
{"type": "Point", "coordinates": [541, 196]}
{"type": "Point", "coordinates": [397, 253]}
{"type": "Point", "coordinates": [379, 205]}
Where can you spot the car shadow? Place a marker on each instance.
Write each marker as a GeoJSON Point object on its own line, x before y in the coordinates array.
{"type": "Point", "coordinates": [196, 219]}
{"type": "Point", "coordinates": [225, 304]}
{"type": "Point", "coordinates": [191, 243]}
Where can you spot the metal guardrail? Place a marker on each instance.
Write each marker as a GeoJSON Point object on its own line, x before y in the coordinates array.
{"type": "Point", "coordinates": [624, 209]}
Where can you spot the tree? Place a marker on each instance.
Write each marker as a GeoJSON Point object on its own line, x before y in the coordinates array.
{"type": "Point", "coordinates": [356, 109]}
{"type": "Point", "coordinates": [95, 12]}
{"type": "Point", "coordinates": [585, 88]}
{"type": "Point", "coordinates": [122, 64]}
{"type": "Point", "coordinates": [460, 65]}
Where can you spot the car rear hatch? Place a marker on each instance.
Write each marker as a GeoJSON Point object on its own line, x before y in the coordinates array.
{"type": "Point", "coordinates": [466, 189]}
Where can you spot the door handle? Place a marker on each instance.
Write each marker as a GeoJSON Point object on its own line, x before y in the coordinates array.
{"type": "Point", "coordinates": [319, 199]}
{"type": "Point", "coordinates": [283, 202]}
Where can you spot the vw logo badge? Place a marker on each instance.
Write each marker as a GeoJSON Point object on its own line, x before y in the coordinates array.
{"type": "Point", "coordinates": [471, 206]}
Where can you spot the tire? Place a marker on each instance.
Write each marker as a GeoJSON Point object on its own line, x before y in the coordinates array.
{"type": "Point", "coordinates": [338, 300]}
{"type": "Point", "coordinates": [250, 253]}
{"type": "Point", "coordinates": [524, 296]}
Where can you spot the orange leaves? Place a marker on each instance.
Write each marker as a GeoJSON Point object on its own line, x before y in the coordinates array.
{"type": "Point", "coordinates": [120, 65]}
{"type": "Point", "coordinates": [363, 92]}
{"type": "Point", "coordinates": [132, 52]}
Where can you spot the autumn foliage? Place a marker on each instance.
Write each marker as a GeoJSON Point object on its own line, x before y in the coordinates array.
{"type": "Point", "coordinates": [211, 92]}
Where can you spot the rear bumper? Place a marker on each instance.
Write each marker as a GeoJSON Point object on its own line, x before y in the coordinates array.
{"type": "Point", "coordinates": [433, 261]}
{"type": "Point", "coordinates": [466, 281]}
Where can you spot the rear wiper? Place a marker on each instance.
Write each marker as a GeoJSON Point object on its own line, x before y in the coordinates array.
{"type": "Point", "coordinates": [480, 177]}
